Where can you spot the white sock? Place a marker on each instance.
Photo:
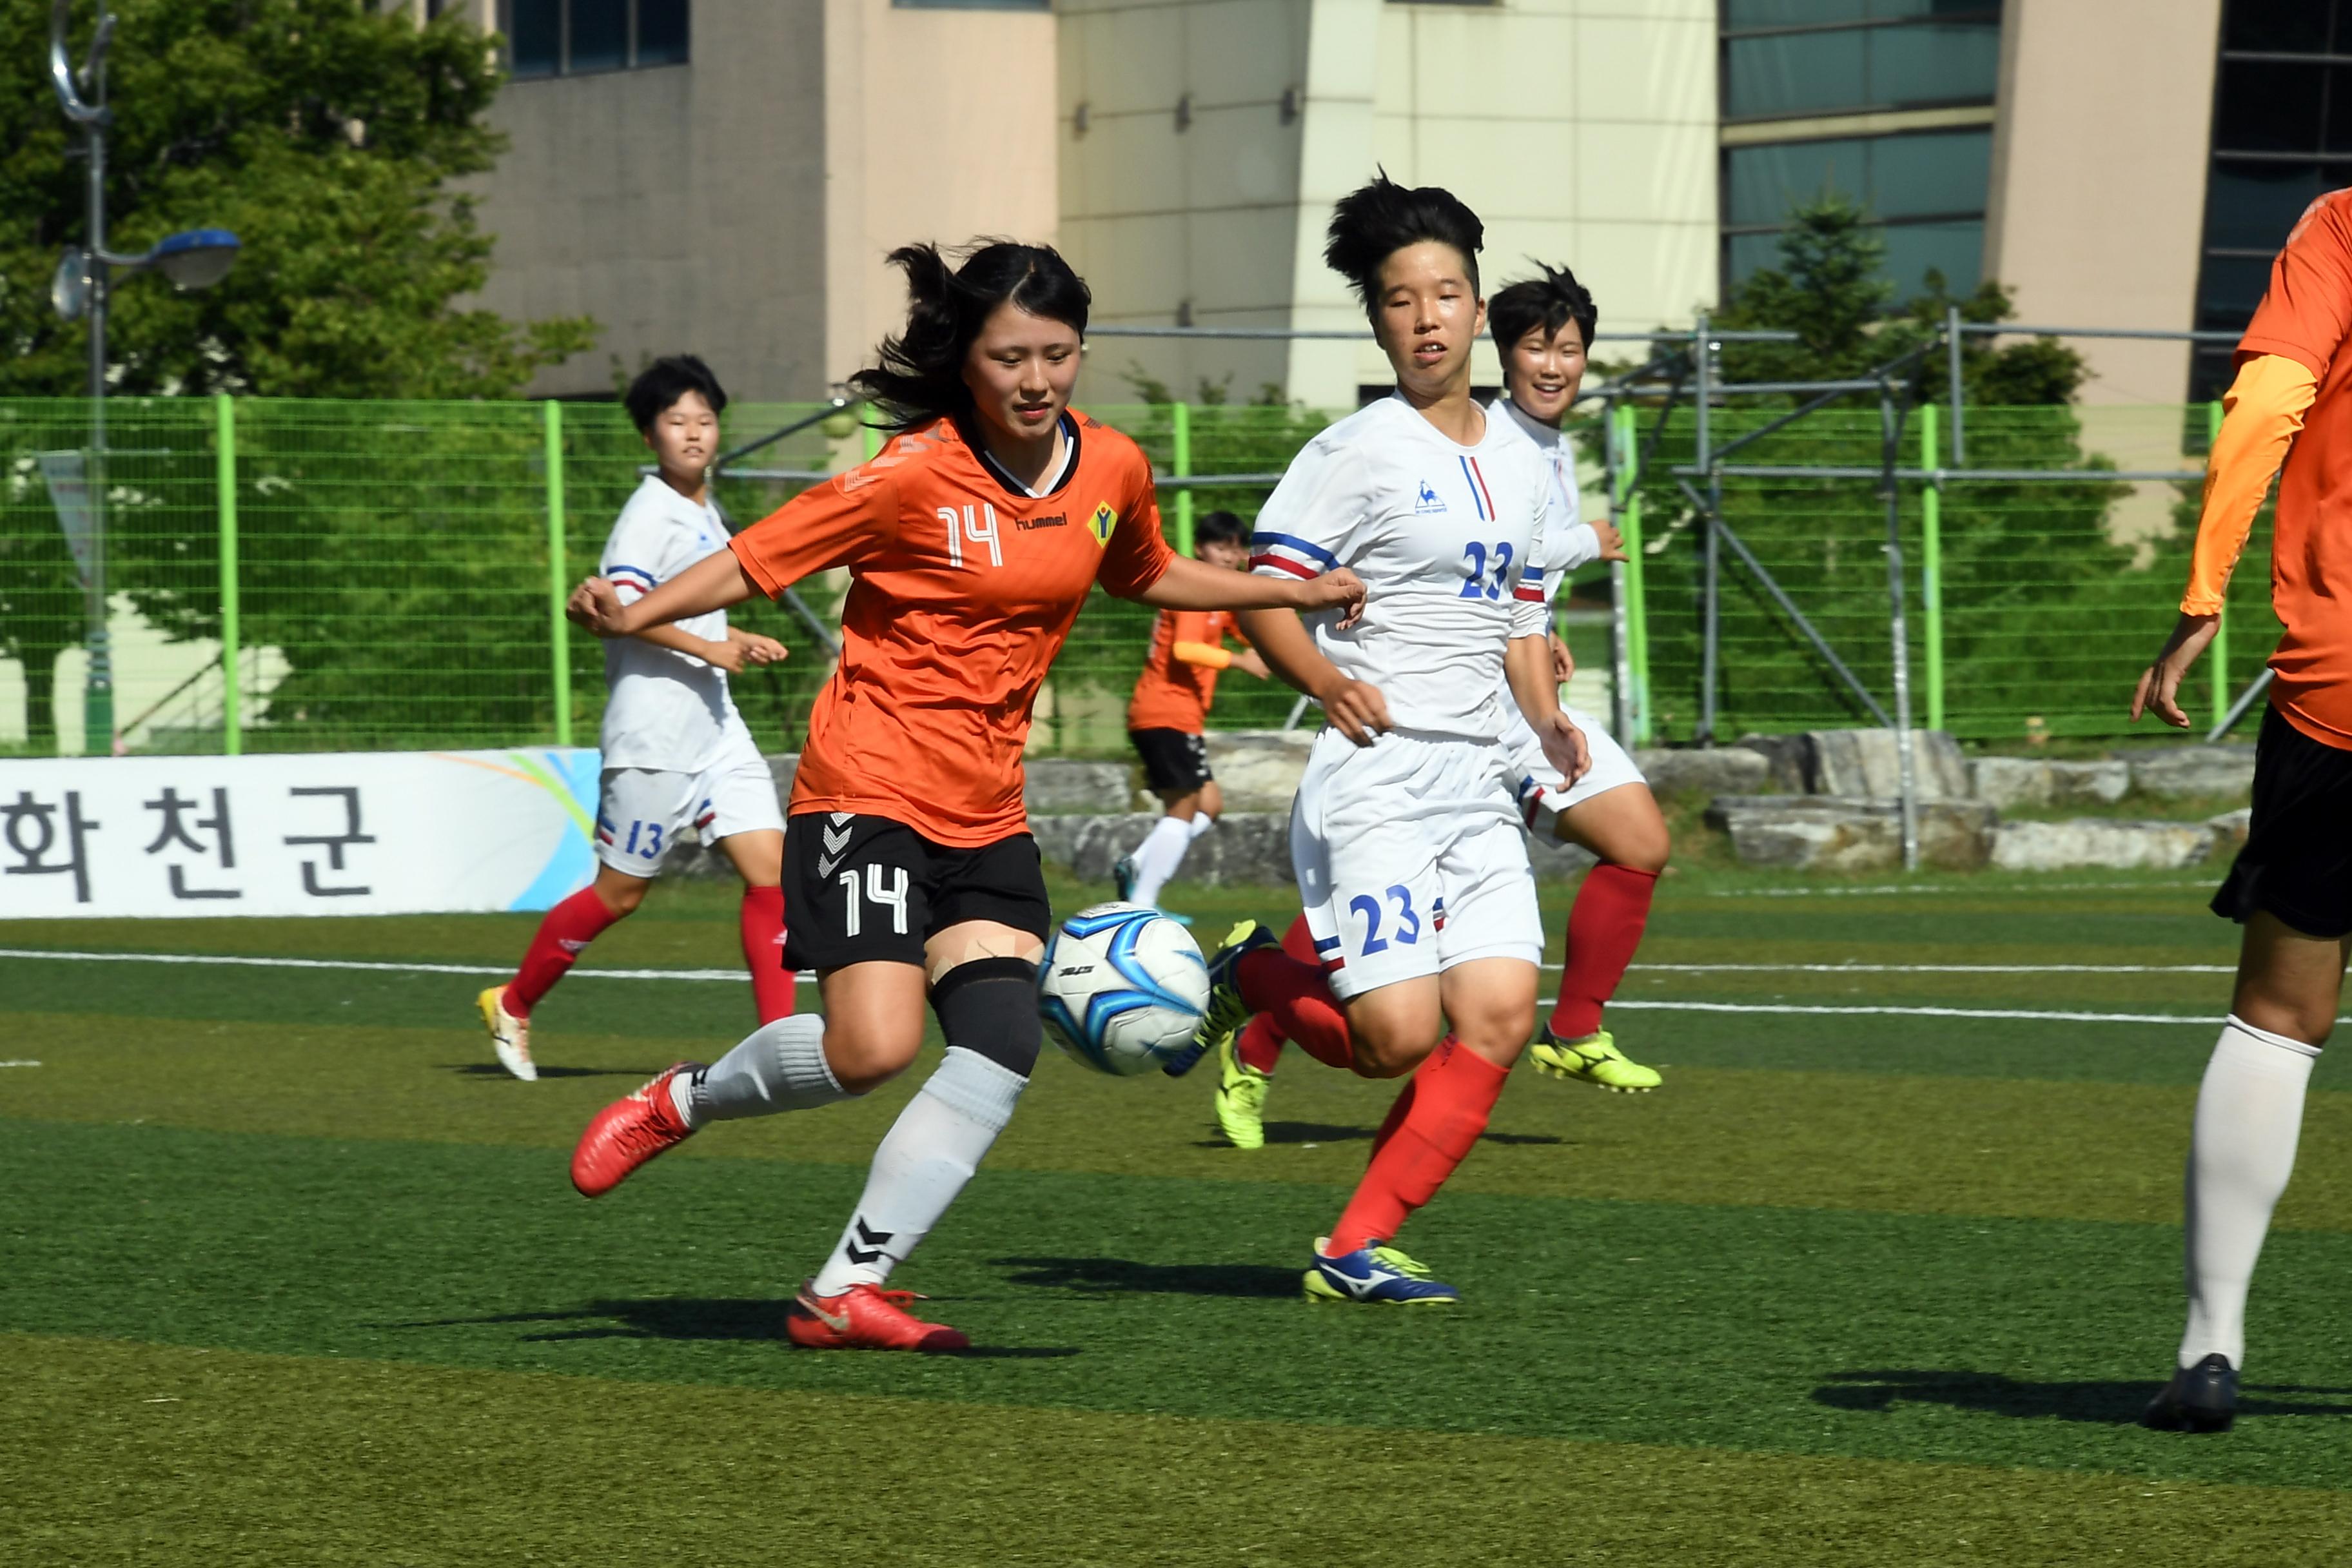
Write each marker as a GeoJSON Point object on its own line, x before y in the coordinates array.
{"type": "Point", "coordinates": [1201, 823]}
{"type": "Point", "coordinates": [925, 1159]}
{"type": "Point", "coordinates": [779, 1067]}
{"type": "Point", "coordinates": [2249, 1114]}
{"type": "Point", "coordinates": [1157, 858]}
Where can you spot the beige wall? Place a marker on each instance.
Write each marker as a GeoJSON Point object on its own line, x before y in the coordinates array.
{"type": "Point", "coordinates": [2098, 178]}
{"type": "Point", "coordinates": [682, 207]}
{"type": "Point", "coordinates": [938, 125]}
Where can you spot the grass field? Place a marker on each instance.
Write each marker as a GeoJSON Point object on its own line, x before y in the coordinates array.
{"type": "Point", "coordinates": [293, 1274]}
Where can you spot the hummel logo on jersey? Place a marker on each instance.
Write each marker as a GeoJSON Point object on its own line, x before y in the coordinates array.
{"type": "Point", "coordinates": [874, 1240]}
{"type": "Point", "coordinates": [1429, 502]}
{"type": "Point", "coordinates": [836, 842]}
{"type": "Point", "coordinates": [1057, 520]}
{"type": "Point", "coordinates": [1101, 524]}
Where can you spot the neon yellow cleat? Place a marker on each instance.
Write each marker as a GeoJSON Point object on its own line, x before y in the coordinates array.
{"type": "Point", "coordinates": [1595, 1059]}
{"type": "Point", "coordinates": [1241, 1096]}
{"type": "Point", "coordinates": [509, 1035]}
{"type": "Point", "coordinates": [1226, 1012]}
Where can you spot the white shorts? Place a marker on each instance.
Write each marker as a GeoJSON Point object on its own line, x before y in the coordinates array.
{"type": "Point", "coordinates": [1410, 859]}
{"type": "Point", "coordinates": [1537, 784]}
{"type": "Point", "coordinates": [640, 812]}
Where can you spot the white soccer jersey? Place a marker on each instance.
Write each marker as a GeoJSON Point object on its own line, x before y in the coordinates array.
{"type": "Point", "coordinates": [664, 709]}
{"type": "Point", "coordinates": [1449, 541]}
{"type": "Point", "coordinates": [1569, 540]}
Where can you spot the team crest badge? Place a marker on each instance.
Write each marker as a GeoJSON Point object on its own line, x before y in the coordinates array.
{"type": "Point", "coordinates": [1101, 523]}
{"type": "Point", "coordinates": [1429, 502]}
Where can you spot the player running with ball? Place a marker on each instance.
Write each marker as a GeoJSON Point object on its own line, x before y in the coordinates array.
{"type": "Point", "coordinates": [2292, 885]}
{"type": "Point", "coordinates": [1404, 835]}
{"type": "Point", "coordinates": [972, 540]}
{"type": "Point", "coordinates": [1543, 328]}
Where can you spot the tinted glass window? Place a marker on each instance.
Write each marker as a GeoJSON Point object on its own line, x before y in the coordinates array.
{"type": "Point", "coordinates": [2250, 206]}
{"type": "Point", "coordinates": [1937, 174]}
{"type": "Point", "coordinates": [2269, 105]}
{"type": "Point", "coordinates": [534, 30]}
{"type": "Point", "coordinates": [1740, 14]}
{"type": "Point", "coordinates": [661, 32]}
{"type": "Point", "coordinates": [2292, 27]}
{"type": "Point", "coordinates": [1955, 249]}
{"type": "Point", "coordinates": [1761, 183]}
{"type": "Point", "coordinates": [1794, 73]}
{"type": "Point", "coordinates": [600, 36]}
{"type": "Point", "coordinates": [1934, 64]}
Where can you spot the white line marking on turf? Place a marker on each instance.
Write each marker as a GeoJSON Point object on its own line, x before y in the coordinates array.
{"type": "Point", "coordinates": [1934, 968]}
{"type": "Point", "coordinates": [353, 963]}
{"type": "Point", "coordinates": [2206, 1020]}
{"type": "Point", "coordinates": [19, 1064]}
{"type": "Point", "coordinates": [1938, 888]}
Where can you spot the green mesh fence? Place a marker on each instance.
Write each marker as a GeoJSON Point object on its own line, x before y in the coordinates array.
{"type": "Point", "coordinates": [393, 586]}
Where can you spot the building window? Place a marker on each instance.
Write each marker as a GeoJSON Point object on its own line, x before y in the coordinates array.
{"type": "Point", "coordinates": [2282, 137]}
{"type": "Point", "coordinates": [1926, 189]}
{"type": "Point", "coordinates": [1788, 57]}
{"type": "Point", "coordinates": [577, 38]}
{"type": "Point", "coordinates": [973, 4]}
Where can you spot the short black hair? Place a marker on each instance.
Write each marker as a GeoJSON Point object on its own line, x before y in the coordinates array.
{"type": "Point", "coordinates": [1219, 528]}
{"type": "Point", "coordinates": [663, 383]}
{"type": "Point", "coordinates": [1550, 301]}
{"type": "Point", "coordinates": [1374, 222]}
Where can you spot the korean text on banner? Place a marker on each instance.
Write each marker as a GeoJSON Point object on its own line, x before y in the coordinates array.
{"type": "Point", "coordinates": [361, 833]}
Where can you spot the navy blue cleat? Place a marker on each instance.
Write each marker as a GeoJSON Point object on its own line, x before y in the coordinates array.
{"type": "Point", "coordinates": [2200, 1398]}
{"type": "Point", "coordinates": [1226, 1012]}
{"type": "Point", "coordinates": [1377, 1274]}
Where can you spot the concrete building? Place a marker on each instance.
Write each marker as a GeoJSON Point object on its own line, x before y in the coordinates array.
{"type": "Point", "coordinates": [730, 178]}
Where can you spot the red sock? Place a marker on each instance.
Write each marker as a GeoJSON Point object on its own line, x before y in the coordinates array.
{"type": "Point", "coordinates": [1261, 1044]}
{"type": "Point", "coordinates": [562, 937]}
{"type": "Point", "coordinates": [1445, 1108]}
{"type": "Point", "coordinates": [1603, 930]}
{"type": "Point", "coordinates": [1300, 1001]}
{"type": "Point", "coordinates": [1402, 1107]}
{"type": "Point", "coordinates": [764, 952]}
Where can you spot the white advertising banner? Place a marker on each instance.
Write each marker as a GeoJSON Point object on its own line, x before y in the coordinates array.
{"type": "Point", "coordinates": [348, 833]}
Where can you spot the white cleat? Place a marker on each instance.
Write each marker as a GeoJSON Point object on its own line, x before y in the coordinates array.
{"type": "Point", "coordinates": [509, 1035]}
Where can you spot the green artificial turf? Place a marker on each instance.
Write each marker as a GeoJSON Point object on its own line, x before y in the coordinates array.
{"type": "Point", "coordinates": [294, 1275]}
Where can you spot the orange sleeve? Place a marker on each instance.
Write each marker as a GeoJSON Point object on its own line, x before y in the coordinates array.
{"type": "Point", "coordinates": [845, 522]}
{"type": "Point", "coordinates": [2261, 413]}
{"type": "Point", "coordinates": [2306, 312]}
{"type": "Point", "coordinates": [1202, 653]}
{"type": "Point", "coordinates": [1138, 555]}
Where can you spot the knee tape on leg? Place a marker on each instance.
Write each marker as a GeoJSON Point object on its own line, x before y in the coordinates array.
{"type": "Point", "coordinates": [989, 1008]}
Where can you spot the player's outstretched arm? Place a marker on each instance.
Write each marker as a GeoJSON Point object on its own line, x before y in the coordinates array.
{"type": "Point", "coordinates": [1356, 708]}
{"type": "Point", "coordinates": [1189, 584]}
{"type": "Point", "coordinates": [2159, 684]}
{"type": "Point", "coordinates": [712, 582]}
{"type": "Point", "coordinates": [1528, 663]}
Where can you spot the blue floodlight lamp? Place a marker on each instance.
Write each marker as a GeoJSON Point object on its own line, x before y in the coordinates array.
{"type": "Point", "coordinates": [194, 258]}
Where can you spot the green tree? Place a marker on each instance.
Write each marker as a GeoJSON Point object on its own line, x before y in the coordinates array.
{"type": "Point", "coordinates": [328, 135]}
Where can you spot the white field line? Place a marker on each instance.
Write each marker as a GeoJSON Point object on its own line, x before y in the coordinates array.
{"type": "Point", "coordinates": [1940, 887]}
{"type": "Point", "coordinates": [20, 1063]}
{"type": "Point", "coordinates": [738, 977]}
{"type": "Point", "coordinates": [1934, 968]}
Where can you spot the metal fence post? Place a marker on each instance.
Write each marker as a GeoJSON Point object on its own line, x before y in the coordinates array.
{"type": "Point", "coordinates": [1180, 418]}
{"type": "Point", "coordinates": [224, 474]}
{"type": "Point", "coordinates": [559, 630]}
{"type": "Point", "coordinates": [1711, 590]}
{"type": "Point", "coordinates": [1890, 447]}
{"type": "Point", "coordinates": [1628, 518]}
{"type": "Point", "coordinates": [2218, 656]}
{"type": "Point", "coordinates": [1931, 569]}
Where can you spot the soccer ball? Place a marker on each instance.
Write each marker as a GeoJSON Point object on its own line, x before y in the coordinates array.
{"type": "Point", "coordinates": [1122, 987]}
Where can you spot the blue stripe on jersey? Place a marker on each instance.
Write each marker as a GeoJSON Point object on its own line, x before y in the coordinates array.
{"type": "Point", "coordinates": [1327, 944]}
{"type": "Point", "coordinates": [1476, 500]}
{"type": "Point", "coordinates": [651, 581]}
{"type": "Point", "coordinates": [1292, 542]}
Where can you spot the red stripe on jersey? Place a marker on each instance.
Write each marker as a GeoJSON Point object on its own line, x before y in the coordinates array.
{"type": "Point", "coordinates": [1293, 567]}
{"type": "Point", "coordinates": [1532, 596]}
{"type": "Point", "coordinates": [1479, 474]}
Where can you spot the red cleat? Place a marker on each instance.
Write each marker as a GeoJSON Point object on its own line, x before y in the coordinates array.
{"type": "Point", "coordinates": [866, 1318]}
{"type": "Point", "coordinates": [628, 1132]}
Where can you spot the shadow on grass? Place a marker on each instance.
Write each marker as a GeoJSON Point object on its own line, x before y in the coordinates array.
{"type": "Point", "coordinates": [1112, 1275]}
{"type": "Point", "coordinates": [492, 1069]}
{"type": "Point", "coordinates": [1331, 1133]}
{"type": "Point", "coordinates": [695, 1318]}
{"type": "Point", "coordinates": [1996, 1394]}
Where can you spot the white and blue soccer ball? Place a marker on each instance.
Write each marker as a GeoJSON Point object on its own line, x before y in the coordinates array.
{"type": "Point", "coordinates": [1122, 987]}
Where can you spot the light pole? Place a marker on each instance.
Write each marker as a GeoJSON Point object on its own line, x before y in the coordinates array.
{"type": "Point", "coordinates": [195, 258]}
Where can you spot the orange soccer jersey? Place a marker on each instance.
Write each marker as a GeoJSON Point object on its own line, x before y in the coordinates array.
{"type": "Point", "coordinates": [962, 590]}
{"type": "Point", "coordinates": [1173, 693]}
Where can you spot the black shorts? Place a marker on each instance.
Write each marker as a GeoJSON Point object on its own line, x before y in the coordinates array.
{"type": "Point", "coordinates": [862, 888]}
{"type": "Point", "coordinates": [2297, 862]}
{"type": "Point", "coordinates": [1174, 761]}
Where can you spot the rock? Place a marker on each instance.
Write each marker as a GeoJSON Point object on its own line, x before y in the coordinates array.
{"type": "Point", "coordinates": [1061, 785]}
{"type": "Point", "coordinates": [2005, 781]}
{"type": "Point", "coordinates": [1245, 846]}
{"type": "Point", "coordinates": [2100, 841]}
{"type": "Point", "coordinates": [2230, 828]}
{"type": "Point", "coordinates": [1724, 770]}
{"type": "Point", "coordinates": [1258, 769]}
{"type": "Point", "coordinates": [1863, 764]}
{"type": "Point", "coordinates": [1834, 833]}
{"type": "Point", "coordinates": [2190, 771]}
